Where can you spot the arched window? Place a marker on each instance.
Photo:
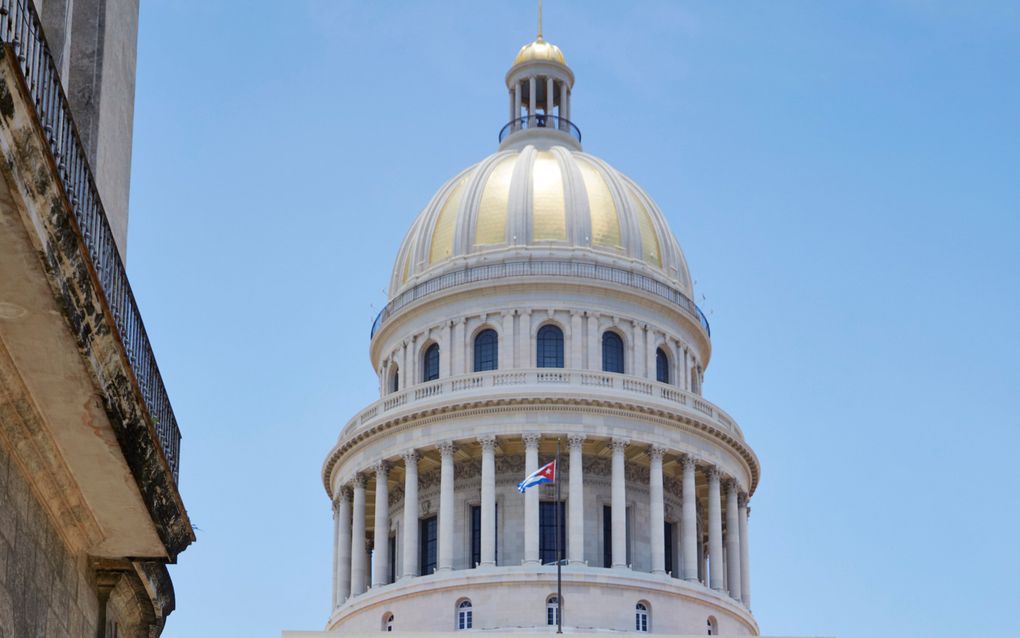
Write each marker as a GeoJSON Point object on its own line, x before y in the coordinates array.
{"type": "Point", "coordinates": [395, 379]}
{"type": "Point", "coordinates": [661, 366]}
{"type": "Point", "coordinates": [486, 350]}
{"type": "Point", "coordinates": [641, 617]}
{"type": "Point", "coordinates": [465, 615]}
{"type": "Point", "coordinates": [387, 622]}
{"type": "Point", "coordinates": [713, 626]}
{"type": "Point", "coordinates": [550, 347]}
{"type": "Point", "coordinates": [430, 363]}
{"type": "Point", "coordinates": [612, 352]}
{"type": "Point", "coordinates": [552, 611]}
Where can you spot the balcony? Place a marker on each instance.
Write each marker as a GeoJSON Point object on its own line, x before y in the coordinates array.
{"type": "Point", "coordinates": [99, 430]}
{"type": "Point", "coordinates": [541, 382]}
{"type": "Point", "coordinates": [543, 268]}
{"type": "Point", "coordinates": [540, 121]}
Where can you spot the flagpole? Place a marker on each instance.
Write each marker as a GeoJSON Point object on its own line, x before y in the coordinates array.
{"type": "Point", "coordinates": [559, 550]}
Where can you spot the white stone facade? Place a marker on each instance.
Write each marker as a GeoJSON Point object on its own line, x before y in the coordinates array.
{"type": "Point", "coordinates": [516, 272]}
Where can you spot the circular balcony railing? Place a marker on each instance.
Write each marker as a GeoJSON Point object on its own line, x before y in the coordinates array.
{"type": "Point", "coordinates": [542, 268]}
{"type": "Point", "coordinates": [540, 121]}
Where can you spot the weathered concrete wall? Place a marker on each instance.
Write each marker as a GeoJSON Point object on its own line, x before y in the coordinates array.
{"type": "Point", "coordinates": [44, 590]}
{"type": "Point", "coordinates": [94, 44]}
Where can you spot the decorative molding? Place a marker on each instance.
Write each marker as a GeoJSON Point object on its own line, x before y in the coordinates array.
{"type": "Point", "coordinates": [531, 439]}
{"type": "Point", "coordinates": [512, 405]}
{"type": "Point", "coordinates": [488, 442]}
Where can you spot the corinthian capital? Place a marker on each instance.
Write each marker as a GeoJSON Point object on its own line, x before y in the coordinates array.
{"type": "Point", "coordinates": [531, 439]}
{"type": "Point", "coordinates": [620, 444]}
{"type": "Point", "coordinates": [446, 448]}
{"type": "Point", "coordinates": [488, 442]}
{"type": "Point", "coordinates": [576, 440]}
{"type": "Point", "coordinates": [656, 452]}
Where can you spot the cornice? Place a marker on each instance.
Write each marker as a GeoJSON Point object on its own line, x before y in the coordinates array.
{"type": "Point", "coordinates": [434, 413]}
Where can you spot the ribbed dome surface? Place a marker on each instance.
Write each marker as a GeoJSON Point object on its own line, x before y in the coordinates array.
{"type": "Point", "coordinates": [526, 202]}
{"type": "Point", "coordinates": [539, 51]}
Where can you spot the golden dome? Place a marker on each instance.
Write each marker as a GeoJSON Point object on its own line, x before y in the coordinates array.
{"type": "Point", "coordinates": [540, 51]}
{"type": "Point", "coordinates": [529, 201]}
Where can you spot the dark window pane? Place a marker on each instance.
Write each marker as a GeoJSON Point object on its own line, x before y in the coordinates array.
{"type": "Point", "coordinates": [547, 532]}
{"type": "Point", "coordinates": [430, 363]}
{"type": "Point", "coordinates": [393, 559]}
{"type": "Point", "coordinates": [395, 385]}
{"type": "Point", "coordinates": [668, 533]}
{"type": "Point", "coordinates": [427, 545]}
{"type": "Point", "coordinates": [486, 351]}
{"type": "Point", "coordinates": [607, 536]}
{"type": "Point", "coordinates": [476, 535]}
{"type": "Point", "coordinates": [612, 352]}
{"type": "Point", "coordinates": [550, 347]}
{"type": "Point", "coordinates": [661, 366]}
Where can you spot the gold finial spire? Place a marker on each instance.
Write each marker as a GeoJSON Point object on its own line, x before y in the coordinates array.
{"type": "Point", "coordinates": [539, 20]}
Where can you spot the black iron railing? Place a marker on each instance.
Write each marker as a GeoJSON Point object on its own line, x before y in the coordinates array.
{"type": "Point", "coordinates": [579, 269]}
{"type": "Point", "coordinates": [541, 121]}
{"type": "Point", "coordinates": [21, 33]}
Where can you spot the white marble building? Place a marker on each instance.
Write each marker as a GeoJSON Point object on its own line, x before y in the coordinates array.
{"type": "Point", "coordinates": [541, 298]}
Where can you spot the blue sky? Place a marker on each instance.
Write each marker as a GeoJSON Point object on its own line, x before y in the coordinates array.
{"type": "Point", "coordinates": [844, 179]}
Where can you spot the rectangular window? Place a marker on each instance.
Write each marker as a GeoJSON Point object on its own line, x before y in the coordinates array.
{"type": "Point", "coordinates": [392, 553]}
{"type": "Point", "coordinates": [607, 536]}
{"type": "Point", "coordinates": [427, 545]}
{"type": "Point", "coordinates": [547, 531]}
{"type": "Point", "coordinates": [668, 533]}
{"type": "Point", "coordinates": [476, 535]}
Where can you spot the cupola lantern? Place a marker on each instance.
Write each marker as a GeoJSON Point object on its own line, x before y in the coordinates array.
{"type": "Point", "coordinates": [539, 85]}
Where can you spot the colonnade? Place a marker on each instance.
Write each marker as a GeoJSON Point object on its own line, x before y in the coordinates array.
{"type": "Point", "coordinates": [553, 86]}
{"type": "Point", "coordinates": [726, 569]}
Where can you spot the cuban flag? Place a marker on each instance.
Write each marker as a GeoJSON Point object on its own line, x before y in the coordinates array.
{"type": "Point", "coordinates": [544, 474]}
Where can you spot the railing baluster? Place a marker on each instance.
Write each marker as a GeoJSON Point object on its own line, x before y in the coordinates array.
{"type": "Point", "coordinates": [21, 32]}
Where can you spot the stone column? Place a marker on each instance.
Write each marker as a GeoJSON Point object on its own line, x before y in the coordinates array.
{"type": "Point", "coordinates": [550, 100]}
{"type": "Point", "coordinates": [517, 106]}
{"type": "Point", "coordinates": [638, 351]}
{"type": "Point", "coordinates": [619, 505]}
{"type": "Point", "coordinates": [506, 349]}
{"type": "Point", "coordinates": [524, 347]}
{"type": "Point", "coordinates": [657, 518]}
{"type": "Point", "coordinates": [531, 99]}
{"type": "Point", "coordinates": [576, 353]}
{"type": "Point", "coordinates": [488, 557]}
{"type": "Point", "coordinates": [445, 350]}
{"type": "Point", "coordinates": [594, 351]}
{"type": "Point", "coordinates": [745, 567]}
{"type": "Point", "coordinates": [380, 557]}
{"type": "Point", "coordinates": [733, 539]}
{"type": "Point", "coordinates": [412, 369]}
{"type": "Point", "coordinates": [444, 562]}
{"type": "Point", "coordinates": [689, 522]}
{"type": "Point", "coordinates": [511, 94]}
{"type": "Point", "coordinates": [358, 555]}
{"type": "Point", "coordinates": [575, 501]}
{"type": "Point", "coordinates": [563, 105]}
{"type": "Point", "coordinates": [403, 370]}
{"type": "Point", "coordinates": [458, 351]}
{"type": "Point", "coordinates": [531, 556]}
{"type": "Point", "coordinates": [410, 566]}
{"type": "Point", "coordinates": [715, 546]}
{"type": "Point", "coordinates": [650, 367]}
{"type": "Point", "coordinates": [343, 547]}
